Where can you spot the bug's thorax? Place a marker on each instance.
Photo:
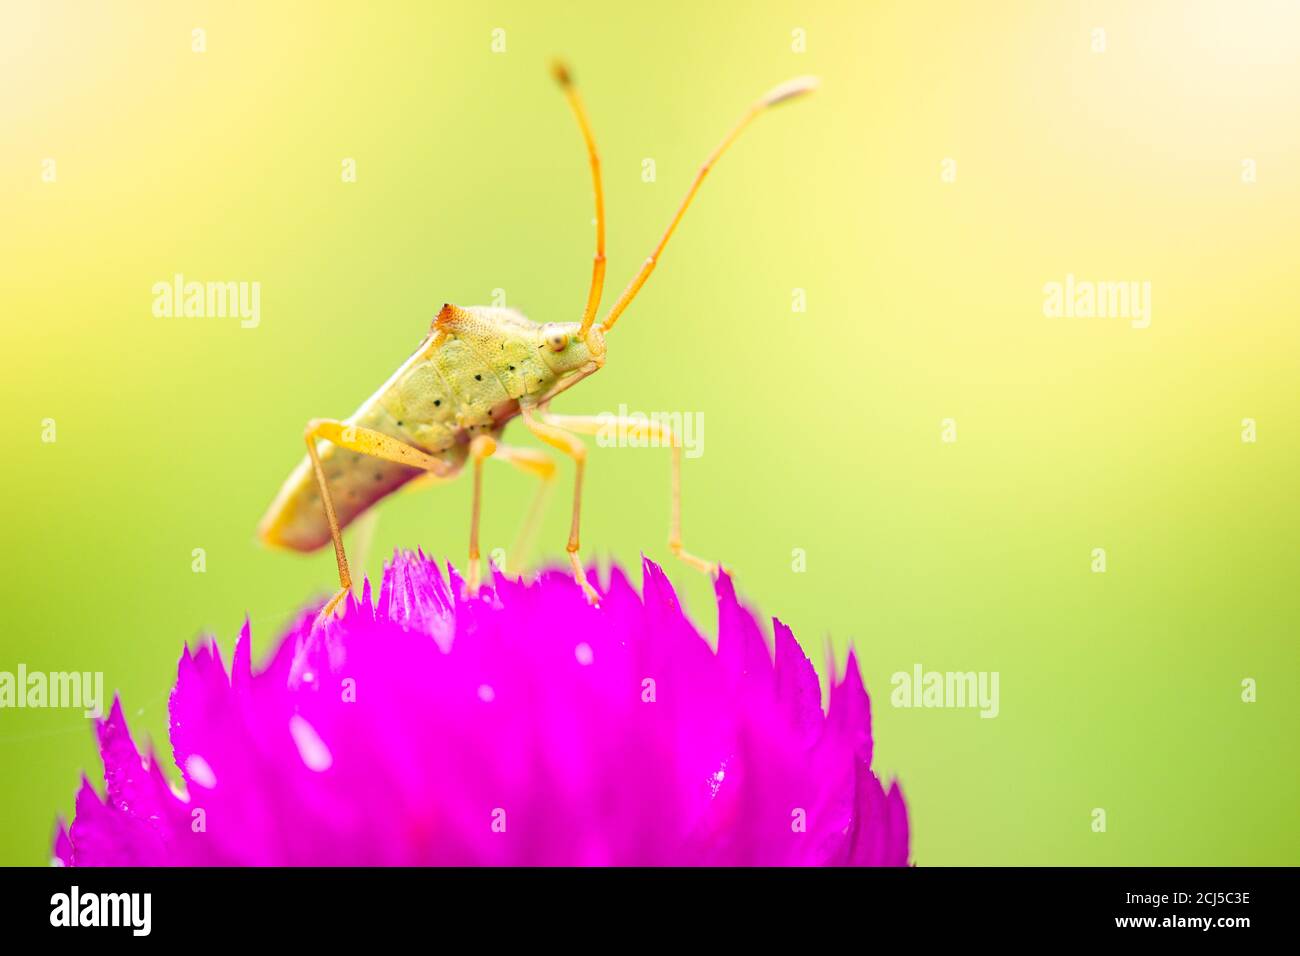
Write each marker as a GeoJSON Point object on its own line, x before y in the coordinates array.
{"type": "Point", "coordinates": [532, 361]}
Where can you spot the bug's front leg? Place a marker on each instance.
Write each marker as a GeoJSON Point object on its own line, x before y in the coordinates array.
{"type": "Point", "coordinates": [572, 446]}
{"type": "Point", "coordinates": [661, 435]}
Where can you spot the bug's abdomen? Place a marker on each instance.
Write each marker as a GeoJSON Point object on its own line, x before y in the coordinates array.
{"type": "Point", "coordinates": [455, 387]}
{"type": "Point", "coordinates": [296, 519]}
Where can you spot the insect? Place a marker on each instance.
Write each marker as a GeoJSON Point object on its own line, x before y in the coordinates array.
{"type": "Point", "coordinates": [477, 368]}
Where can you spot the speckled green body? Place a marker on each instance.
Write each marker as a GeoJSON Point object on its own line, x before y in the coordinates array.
{"type": "Point", "coordinates": [467, 378]}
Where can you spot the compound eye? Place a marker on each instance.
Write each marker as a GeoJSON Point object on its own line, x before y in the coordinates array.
{"type": "Point", "coordinates": [556, 340]}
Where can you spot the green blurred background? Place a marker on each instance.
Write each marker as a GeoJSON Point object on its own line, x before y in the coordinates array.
{"type": "Point", "coordinates": [1119, 691]}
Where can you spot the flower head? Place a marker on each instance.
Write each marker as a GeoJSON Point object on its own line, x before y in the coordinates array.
{"type": "Point", "coordinates": [519, 727]}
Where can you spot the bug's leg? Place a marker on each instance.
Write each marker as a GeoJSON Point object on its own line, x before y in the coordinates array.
{"type": "Point", "coordinates": [662, 435]}
{"type": "Point", "coordinates": [572, 446]}
{"type": "Point", "coordinates": [366, 442]}
{"type": "Point", "coordinates": [480, 449]}
{"type": "Point", "coordinates": [539, 464]}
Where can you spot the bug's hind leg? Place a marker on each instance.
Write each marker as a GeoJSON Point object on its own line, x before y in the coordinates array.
{"type": "Point", "coordinates": [365, 441]}
{"type": "Point", "coordinates": [661, 435]}
{"type": "Point", "coordinates": [572, 446]}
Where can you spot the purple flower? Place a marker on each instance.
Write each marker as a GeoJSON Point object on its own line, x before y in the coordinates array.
{"type": "Point", "coordinates": [519, 727]}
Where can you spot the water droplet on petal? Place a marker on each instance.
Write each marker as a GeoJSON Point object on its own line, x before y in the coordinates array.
{"type": "Point", "coordinates": [584, 654]}
{"type": "Point", "coordinates": [197, 769]}
{"type": "Point", "coordinates": [716, 778]}
{"type": "Point", "coordinates": [486, 693]}
{"type": "Point", "coordinates": [311, 748]}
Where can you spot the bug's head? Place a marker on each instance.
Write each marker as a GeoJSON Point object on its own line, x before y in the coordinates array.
{"type": "Point", "coordinates": [564, 348]}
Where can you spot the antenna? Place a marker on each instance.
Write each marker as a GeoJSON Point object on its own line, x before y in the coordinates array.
{"type": "Point", "coordinates": [778, 94]}
{"type": "Point", "coordinates": [565, 79]}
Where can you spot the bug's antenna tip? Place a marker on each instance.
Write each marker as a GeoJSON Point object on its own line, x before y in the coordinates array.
{"type": "Point", "coordinates": [788, 90]}
{"type": "Point", "coordinates": [560, 70]}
